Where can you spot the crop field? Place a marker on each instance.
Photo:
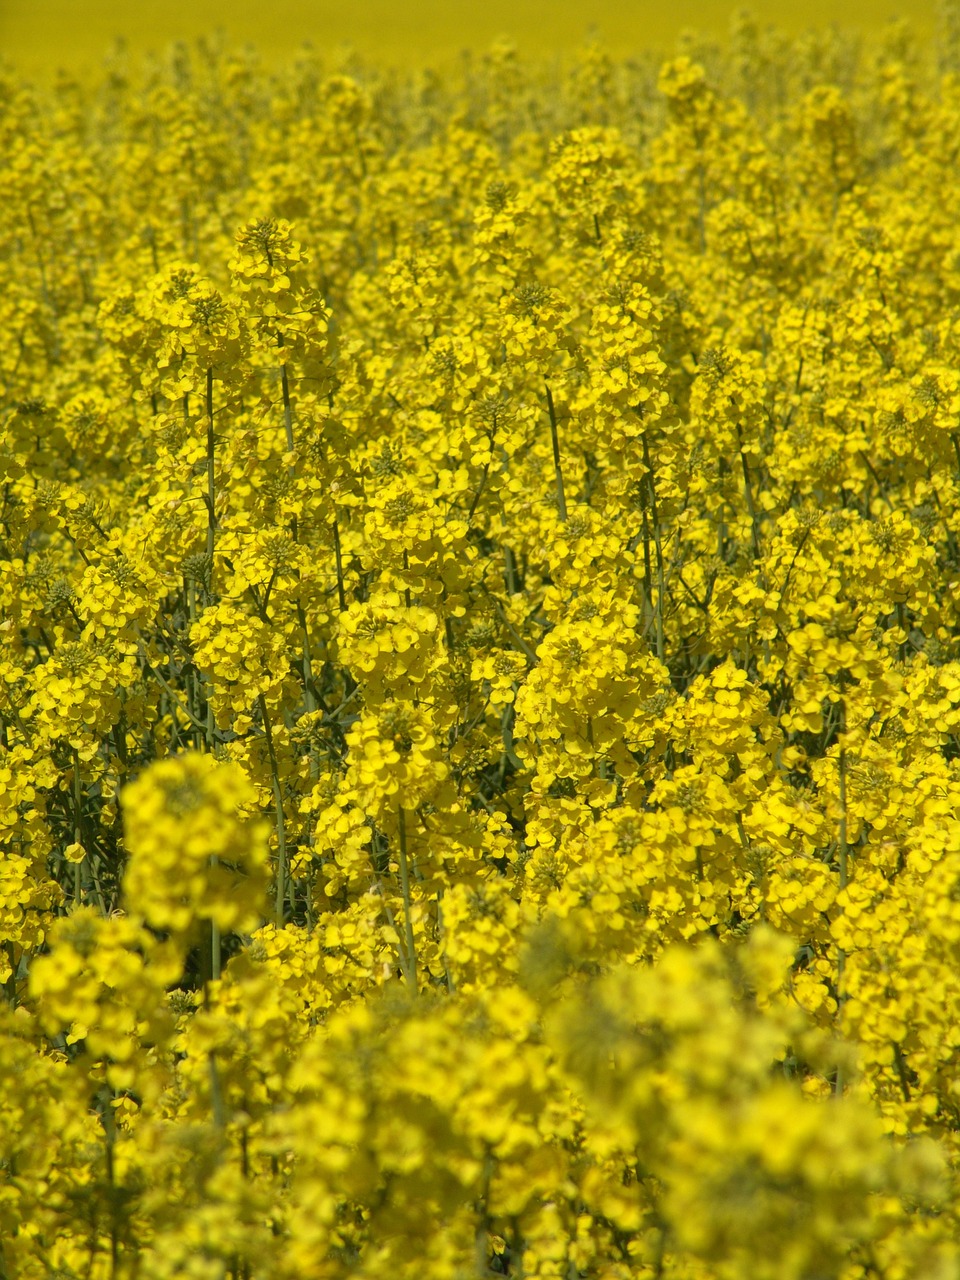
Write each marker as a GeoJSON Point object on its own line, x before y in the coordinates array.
{"type": "Point", "coordinates": [41, 35]}
{"type": "Point", "coordinates": [480, 666]}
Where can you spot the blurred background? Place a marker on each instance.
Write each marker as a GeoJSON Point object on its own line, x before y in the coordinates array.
{"type": "Point", "coordinates": [43, 35]}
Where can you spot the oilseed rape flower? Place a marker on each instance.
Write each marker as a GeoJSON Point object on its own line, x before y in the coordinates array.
{"type": "Point", "coordinates": [480, 664]}
{"type": "Point", "coordinates": [242, 658]}
{"type": "Point", "coordinates": [395, 755]}
{"type": "Point", "coordinates": [100, 984]}
{"type": "Point", "coordinates": [391, 647]}
{"type": "Point", "coordinates": [194, 855]}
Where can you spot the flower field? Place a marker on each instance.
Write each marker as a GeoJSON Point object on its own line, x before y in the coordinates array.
{"type": "Point", "coordinates": [480, 699]}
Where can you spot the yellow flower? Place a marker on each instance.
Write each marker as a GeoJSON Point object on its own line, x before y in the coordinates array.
{"type": "Point", "coordinates": [194, 854]}
{"type": "Point", "coordinates": [394, 758]}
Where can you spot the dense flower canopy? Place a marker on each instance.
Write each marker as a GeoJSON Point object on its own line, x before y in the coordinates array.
{"type": "Point", "coordinates": [480, 701]}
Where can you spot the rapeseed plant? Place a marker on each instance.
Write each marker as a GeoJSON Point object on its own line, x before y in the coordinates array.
{"type": "Point", "coordinates": [480, 683]}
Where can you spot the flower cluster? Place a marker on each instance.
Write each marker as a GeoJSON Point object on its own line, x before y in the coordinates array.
{"type": "Point", "coordinates": [192, 854]}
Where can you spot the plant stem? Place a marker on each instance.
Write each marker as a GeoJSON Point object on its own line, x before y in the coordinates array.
{"type": "Point", "coordinates": [211, 476]}
{"type": "Point", "coordinates": [647, 576]}
{"type": "Point", "coordinates": [554, 436]}
{"type": "Point", "coordinates": [287, 407]}
{"type": "Point", "coordinates": [216, 1093]}
{"type": "Point", "coordinates": [411, 974]}
{"type": "Point", "coordinates": [215, 947]}
{"type": "Point", "coordinates": [77, 824]}
{"type": "Point", "coordinates": [510, 570]}
{"type": "Point", "coordinates": [341, 594]}
{"type": "Point", "coordinates": [278, 804]}
{"type": "Point", "coordinates": [748, 494]}
{"type": "Point", "coordinates": [661, 648]}
{"type": "Point", "coordinates": [842, 850]}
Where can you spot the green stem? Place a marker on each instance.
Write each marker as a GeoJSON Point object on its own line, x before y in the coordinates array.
{"type": "Point", "coordinates": [555, 437]}
{"type": "Point", "coordinates": [310, 701]}
{"type": "Point", "coordinates": [211, 476]}
{"type": "Point", "coordinates": [842, 841]}
{"type": "Point", "coordinates": [901, 1071]}
{"type": "Point", "coordinates": [842, 850]}
{"type": "Point", "coordinates": [702, 206]}
{"type": "Point", "coordinates": [77, 824]}
{"type": "Point", "coordinates": [278, 804]}
{"type": "Point", "coordinates": [287, 407]}
{"type": "Point", "coordinates": [648, 611]}
{"type": "Point", "coordinates": [510, 570]}
{"type": "Point", "coordinates": [391, 919]}
{"type": "Point", "coordinates": [216, 1093]}
{"type": "Point", "coordinates": [411, 974]}
{"type": "Point", "coordinates": [451, 984]}
{"type": "Point", "coordinates": [205, 726]}
{"type": "Point", "coordinates": [215, 947]}
{"type": "Point", "coordinates": [748, 494]}
{"type": "Point", "coordinates": [341, 594]}
{"type": "Point", "coordinates": [658, 546]}
{"type": "Point", "coordinates": [174, 700]}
